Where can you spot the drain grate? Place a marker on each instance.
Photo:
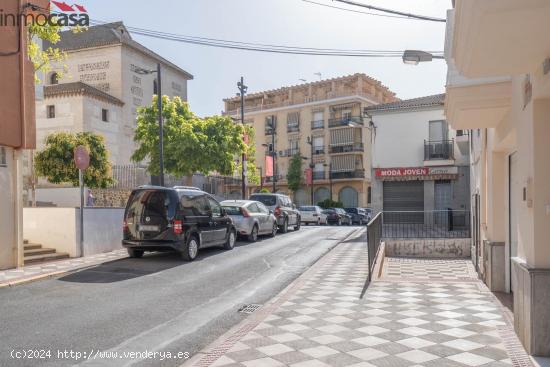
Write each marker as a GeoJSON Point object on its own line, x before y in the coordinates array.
{"type": "Point", "coordinates": [249, 308]}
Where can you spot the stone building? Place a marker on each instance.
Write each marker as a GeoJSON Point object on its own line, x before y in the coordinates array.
{"type": "Point", "coordinates": [99, 89]}
{"type": "Point", "coordinates": [330, 114]}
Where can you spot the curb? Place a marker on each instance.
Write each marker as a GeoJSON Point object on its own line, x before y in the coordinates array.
{"type": "Point", "coordinates": [210, 354]}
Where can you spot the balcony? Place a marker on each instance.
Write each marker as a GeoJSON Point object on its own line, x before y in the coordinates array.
{"type": "Point", "coordinates": [345, 121]}
{"type": "Point", "coordinates": [269, 131]}
{"type": "Point", "coordinates": [292, 128]}
{"type": "Point", "coordinates": [347, 175]}
{"type": "Point", "coordinates": [289, 152]}
{"type": "Point", "coordinates": [439, 150]}
{"type": "Point", "coordinates": [348, 148]}
{"type": "Point", "coordinates": [270, 178]}
{"type": "Point", "coordinates": [320, 175]}
{"type": "Point", "coordinates": [319, 124]}
{"type": "Point", "coordinates": [319, 150]}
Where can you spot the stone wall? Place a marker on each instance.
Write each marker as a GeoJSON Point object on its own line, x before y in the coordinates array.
{"type": "Point", "coordinates": [429, 248]}
{"type": "Point", "coordinates": [111, 198]}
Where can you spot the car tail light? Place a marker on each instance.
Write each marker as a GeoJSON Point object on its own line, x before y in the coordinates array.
{"type": "Point", "coordinates": [178, 226]}
{"type": "Point", "coordinates": [277, 211]}
{"type": "Point", "coordinates": [125, 226]}
{"type": "Point", "coordinates": [245, 213]}
{"type": "Point", "coordinates": [315, 215]}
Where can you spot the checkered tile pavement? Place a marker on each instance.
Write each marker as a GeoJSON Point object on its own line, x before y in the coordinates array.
{"type": "Point", "coordinates": [31, 271]}
{"type": "Point", "coordinates": [399, 322]}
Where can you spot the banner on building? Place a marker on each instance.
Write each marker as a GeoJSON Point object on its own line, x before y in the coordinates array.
{"type": "Point", "coordinates": [309, 176]}
{"type": "Point", "coordinates": [268, 166]}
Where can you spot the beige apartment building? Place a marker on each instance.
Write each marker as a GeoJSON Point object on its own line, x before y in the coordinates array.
{"type": "Point", "coordinates": [498, 87]}
{"type": "Point", "coordinates": [330, 115]}
{"type": "Point", "coordinates": [99, 89]}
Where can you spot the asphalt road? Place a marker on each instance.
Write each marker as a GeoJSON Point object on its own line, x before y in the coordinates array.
{"type": "Point", "coordinates": [155, 304]}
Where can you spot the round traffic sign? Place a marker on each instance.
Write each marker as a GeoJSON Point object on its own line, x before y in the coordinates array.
{"type": "Point", "coordinates": [81, 157]}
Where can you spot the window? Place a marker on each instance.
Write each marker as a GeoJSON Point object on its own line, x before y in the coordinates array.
{"type": "Point", "coordinates": [439, 131]}
{"type": "Point", "coordinates": [54, 79]}
{"type": "Point", "coordinates": [104, 115]}
{"type": "Point", "coordinates": [346, 115]}
{"type": "Point", "coordinates": [3, 160]}
{"type": "Point", "coordinates": [262, 208]}
{"type": "Point", "coordinates": [293, 121]}
{"type": "Point", "coordinates": [253, 208]}
{"type": "Point", "coordinates": [215, 208]}
{"type": "Point", "coordinates": [270, 125]}
{"type": "Point", "coordinates": [155, 86]}
{"type": "Point", "coordinates": [50, 111]}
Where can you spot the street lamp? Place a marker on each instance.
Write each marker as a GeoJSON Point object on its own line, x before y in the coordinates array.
{"type": "Point", "coordinates": [414, 57]}
{"type": "Point", "coordinates": [311, 166]}
{"type": "Point", "coordinates": [242, 91]}
{"type": "Point", "coordinates": [329, 177]}
{"type": "Point", "coordinates": [142, 71]}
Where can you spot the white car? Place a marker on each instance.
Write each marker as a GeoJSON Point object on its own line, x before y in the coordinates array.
{"type": "Point", "coordinates": [313, 214]}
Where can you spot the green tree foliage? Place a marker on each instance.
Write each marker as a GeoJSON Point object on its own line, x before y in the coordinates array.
{"type": "Point", "coordinates": [56, 160]}
{"type": "Point", "coordinates": [191, 144]}
{"type": "Point", "coordinates": [328, 203]}
{"type": "Point", "coordinates": [264, 191]}
{"type": "Point", "coordinates": [252, 171]}
{"type": "Point", "coordinates": [295, 176]}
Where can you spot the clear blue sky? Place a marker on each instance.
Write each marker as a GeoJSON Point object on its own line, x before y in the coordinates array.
{"type": "Point", "coordinates": [287, 22]}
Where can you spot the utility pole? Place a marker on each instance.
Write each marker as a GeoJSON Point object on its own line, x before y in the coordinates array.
{"type": "Point", "coordinates": [311, 167]}
{"type": "Point", "coordinates": [161, 126]}
{"type": "Point", "coordinates": [273, 152]}
{"type": "Point", "coordinates": [242, 90]}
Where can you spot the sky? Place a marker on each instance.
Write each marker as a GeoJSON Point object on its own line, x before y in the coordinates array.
{"type": "Point", "coordinates": [284, 22]}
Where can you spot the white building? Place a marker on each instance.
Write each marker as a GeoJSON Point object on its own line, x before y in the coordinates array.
{"type": "Point", "coordinates": [418, 162]}
{"type": "Point", "coordinates": [100, 90]}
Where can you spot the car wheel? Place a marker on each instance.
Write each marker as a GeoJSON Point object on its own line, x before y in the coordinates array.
{"type": "Point", "coordinates": [284, 227]}
{"type": "Point", "coordinates": [136, 254]}
{"type": "Point", "coordinates": [191, 249]}
{"type": "Point", "coordinates": [231, 239]}
{"type": "Point", "coordinates": [253, 236]}
{"type": "Point", "coordinates": [274, 230]}
{"type": "Point", "coordinates": [298, 225]}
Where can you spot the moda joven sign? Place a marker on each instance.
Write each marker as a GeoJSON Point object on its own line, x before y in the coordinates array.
{"type": "Point", "coordinates": [415, 171]}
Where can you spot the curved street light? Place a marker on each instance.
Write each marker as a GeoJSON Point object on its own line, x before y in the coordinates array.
{"type": "Point", "coordinates": [414, 57]}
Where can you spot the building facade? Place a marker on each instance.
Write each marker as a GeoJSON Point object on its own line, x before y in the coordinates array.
{"type": "Point", "coordinates": [498, 87]}
{"type": "Point", "coordinates": [97, 87]}
{"type": "Point", "coordinates": [324, 123]}
{"type": "Point", "coordinates": [418, 163]}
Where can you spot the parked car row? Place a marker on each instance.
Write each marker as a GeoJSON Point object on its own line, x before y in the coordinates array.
{"type": "Point", "coordinates": [186, 219]}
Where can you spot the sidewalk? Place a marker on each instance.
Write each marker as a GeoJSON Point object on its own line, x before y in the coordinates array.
{"type": "Point", "coordinates": [432, 313]}
{"type": "Point", "coordinates": [34, 272]}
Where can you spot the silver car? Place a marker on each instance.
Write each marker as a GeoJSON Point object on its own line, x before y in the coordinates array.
{"type": "Point", "coordinates": [313, 214]}
{"type": "Point", "coordinates": [251, 218]}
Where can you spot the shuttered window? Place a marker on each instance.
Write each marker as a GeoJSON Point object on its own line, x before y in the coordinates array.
{"type": "Point", "coordinates": [339, 137]}
{"type": "Point", "coordinates": [343, 163]}
{"type": "Point", "coordinates": [293, 119]}
{"type": "Point", "coordinates": [403, 195]}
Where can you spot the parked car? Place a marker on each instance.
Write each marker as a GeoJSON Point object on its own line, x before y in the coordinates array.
{"type": "Point", "coordinates": [368, 213]}
{"type": "Point", "coordinates": [175, 219]}
{"type": "Point", "coordinates": [358, 215]}
{"type": "Point", "coordinates": [337, 216]}
{"type": "Point", "coordinates": [251, 218]}
{"type": "Point", "coordinates": [283, 208]}
{"type": "Point", "coordinates": [313, 214]}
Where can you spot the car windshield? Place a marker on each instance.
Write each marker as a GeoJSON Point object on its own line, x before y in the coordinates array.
{"type": "Point", "coordinates": [269, 200]}
{"type": "Point", "coordinates": [328, 211]}
{"type": "Point", "coordinates": [307, 208]}
{"type": "Point", "coordinates": [351, 210]}
{"type": "Point", "coordinates": [232, 210]}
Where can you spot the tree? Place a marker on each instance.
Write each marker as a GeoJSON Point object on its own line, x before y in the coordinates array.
{"type": "Point", "coordinates": [251, 169]}
{"type": "Point", "coordinates": [191, 144]}
{"type": "Point", "coordinates": [295, 176]}
{"type": "Point", "coordinates": [56, 163]}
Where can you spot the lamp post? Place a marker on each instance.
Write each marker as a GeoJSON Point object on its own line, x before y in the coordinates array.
{"type": "Point", "coordinates": [142, 71]}
{"type": "Point", "coordinates": [242, 91]}
{"type": "Point", "coordinates": [271, 124]}
{"type": "Point", "coordinates": [329, 177]}
{"type": "Point", "coordinates": [414, 57]}
{"type": "Point", "coordinates": [311, 166]}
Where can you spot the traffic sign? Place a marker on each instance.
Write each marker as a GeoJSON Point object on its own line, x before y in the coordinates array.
{"type": "Point", "coordinates": [81, 157]}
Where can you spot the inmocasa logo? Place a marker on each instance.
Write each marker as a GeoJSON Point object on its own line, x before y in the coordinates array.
{"type": "Point", "coordinates": [57, 14]}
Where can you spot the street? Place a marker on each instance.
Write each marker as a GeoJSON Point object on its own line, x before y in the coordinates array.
{"type": "Point", "coordinates": [158, 303]}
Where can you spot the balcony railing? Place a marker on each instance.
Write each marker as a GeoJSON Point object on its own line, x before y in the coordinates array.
{"type": "Point", "coordinates": [292, 128]}
{"type": "Point", "coordinates": [289, 152]}
{"type": "Point", "coordinates": [438, 150]}
{"type": "Point", "coordinates": [319, 175]}
{"type": "Point", "coordinates": [319, 150]}
{"type": "Point", "coordinates": [352, 147]}
{"type": "Point", "coordinates": [345, 121]}
{"type": "Point", "coordinates": [268, 131]}
{"type": "Point", "coordinates": [347, 175]}
{"type": "Point", "coordinates": [319, 124]}
{"type": "Point", "coordinates": [270, 179]}
{"type": "Point", "coordinates": [426, 224]}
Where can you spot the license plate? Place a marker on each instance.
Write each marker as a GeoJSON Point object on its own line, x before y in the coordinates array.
{"type": "Point", "coordinates": [148, 228]}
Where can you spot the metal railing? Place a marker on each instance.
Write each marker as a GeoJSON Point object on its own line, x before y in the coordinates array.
{"type": "Point", "coordinates": [289, 152]}
{"type": "Point", "coordinates": [434, 150]}
{"type": "Point", "coordinates": [345, 121]}
{"type": "Point", "coordinates": [319, 124]}
{"type": "Point", "coordinates": [269, 131]}
{"type": "Point", "coordinates": [374, 237]}
{"type": "Point", "coordinates": [292, 128]}
{"type": "Point", "coordinates": [426, 224]}
{"type": "Point", "coordinates": [346, 175]}
{"type": "Point", "coordinates": [318, 150]}
{"type": "Point", "coordinates": [351, 147]}
{"type": "Point", "coordinates": [319, 175]}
